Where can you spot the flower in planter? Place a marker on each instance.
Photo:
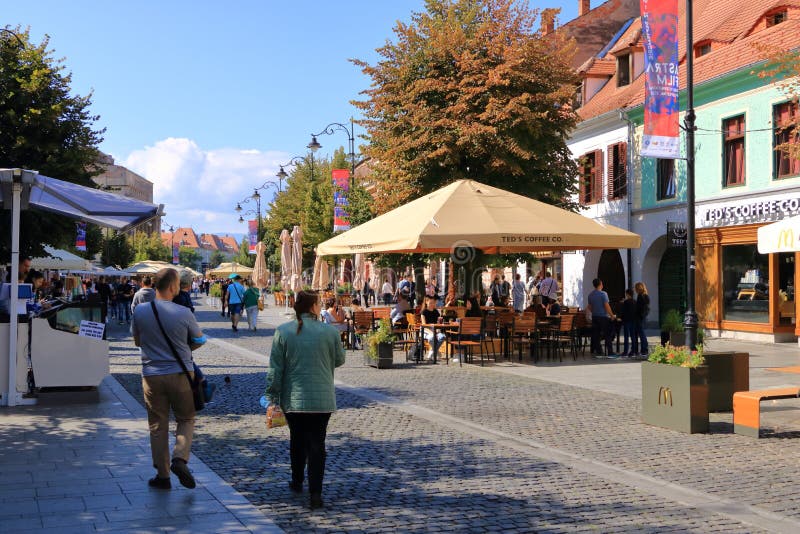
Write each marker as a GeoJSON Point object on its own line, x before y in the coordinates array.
{"type": "Point", "coordinates": [678, 356]}
{"type": "Point", "coordinates": [382, 335]}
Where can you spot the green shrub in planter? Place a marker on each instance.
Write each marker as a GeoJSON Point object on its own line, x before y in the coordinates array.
{"type": "Point", "coordinates": [378, 346]}
{"type": "Point", "coordinates": [215, 291]}
{"type": "Point", "coordinates": [672, 324]}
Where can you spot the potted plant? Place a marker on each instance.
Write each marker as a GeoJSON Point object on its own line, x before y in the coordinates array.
{"type": "Point", "coordinates": [672, 326]}
{"type": "Point", "coordinates": [378, 346]}
{"type": "Point", "coordinates": [675, 389]}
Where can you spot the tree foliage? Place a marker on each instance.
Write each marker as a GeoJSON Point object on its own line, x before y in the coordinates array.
{"type": "Point", "coordinates": [216, 258]}
{"type": "Point", "coordinates": [189, 257]}
{"type": "Point", "coordinates": [117, 250]}
{"type": "Point", "coordinates": [45, 128]}
{"type": "Point", "coordinates": [783, 66]}
{"type": "Point", "coordinates": [150, 247]}
{"type": "Point", "coordinates": [469, 89]}
{"type": "Point", "coordinates": [243, 256]}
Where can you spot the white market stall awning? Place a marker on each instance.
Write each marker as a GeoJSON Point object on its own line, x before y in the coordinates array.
{"type": "Point", "coordinates": [24, 189]}
{"type": "Point", "coordinates": [61, 260]}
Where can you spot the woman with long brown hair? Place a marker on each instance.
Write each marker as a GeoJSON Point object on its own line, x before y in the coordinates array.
{"type": "Point", "coordinates": [642, 310]}
{"type": "Point", "coordinates": [300, 380]}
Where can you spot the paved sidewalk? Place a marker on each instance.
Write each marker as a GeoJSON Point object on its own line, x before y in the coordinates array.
{"type": "Point", "coordinates": [84, 468]}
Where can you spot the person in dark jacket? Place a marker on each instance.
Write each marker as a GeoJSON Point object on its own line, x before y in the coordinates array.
{"type": "Point", "coordinates": [642, 311]}
{"type": "Point", "coordinates": [628, 316]}
{"type": "Point", "coordinates": [304, 354]}
{"type": "Point", "coordinates": [184, 298]}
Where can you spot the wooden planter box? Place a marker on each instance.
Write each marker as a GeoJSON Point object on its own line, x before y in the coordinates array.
{"type": "Point", "coordinates": [728, 372]}
{"type": "Point", "coordinates": [675, 397]}
{"type": "Point", "coordinates": [385, 357]}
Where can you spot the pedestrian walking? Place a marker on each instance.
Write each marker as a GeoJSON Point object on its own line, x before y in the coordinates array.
{"type": "Point", "coordinates": [250, 303]}
{"type": "Point", "coordinates": [145, 294]}
{"type": "Point", "coordinates": [387, 291]}
{"type": "Point", "coordinates": [183, 297]}
{"type": "Point", "coordinates": [548, 288]}
{"type": "Point", "coordinates": [223, 287]}
{"type": "Point", "coordinates": [235, 296]}
{"type": "Point", "coordinates": [518, 294]}
{"type": "Point", "coordinates": [642, 311]}
{"type": "Point", "coordinates": [166, 331]}
{"type": "Point", "coordinates": [125, 291]}
{"type": "Point", "coordinates": [304, 354]}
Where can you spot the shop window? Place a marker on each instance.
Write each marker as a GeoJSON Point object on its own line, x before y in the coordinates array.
{"type": "Point", "coordinates": [733, 133]}
{"type": "Point", "coordinates": [591, 186]}
{"type": "Point", "coordinates": [623, 70]}
{"type": "Point", "coordinates": [617, 171]}
{"type": "Point", "coordinates": [786, 307]}
{"type": "Point", "coordinates": [745, 284]}
{"type": "Point", "coordinates": [784, 134]}
{"type": "Point", "coordinates": [665, 174]}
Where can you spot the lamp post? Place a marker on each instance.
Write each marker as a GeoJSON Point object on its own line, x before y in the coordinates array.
{"type": "Point", "coordinates": [690, 319]}
{"type": "Point", "coordinates": [255, 197]}
{"type": "Point", "coordinates": [329, 130]}
{"type": "Point", "coordinates": [282, 175]}
{"type": "Point", "coordinates": [171, 230]}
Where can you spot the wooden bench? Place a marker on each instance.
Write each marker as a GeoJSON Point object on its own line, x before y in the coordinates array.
{"type": "Point", "coordinates": [747, 408]}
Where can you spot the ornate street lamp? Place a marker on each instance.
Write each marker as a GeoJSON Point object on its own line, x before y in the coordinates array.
{"type": "Point", "coordinates": [314, 145]}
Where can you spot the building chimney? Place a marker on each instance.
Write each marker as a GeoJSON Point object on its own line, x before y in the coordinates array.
{"type": "Point", "coordinates": [548, 18]}
{"type": "Point", "coordinates": [584, 6]}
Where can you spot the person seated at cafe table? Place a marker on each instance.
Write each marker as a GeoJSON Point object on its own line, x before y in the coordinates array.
{"type": "Point", "coordinates": [430, 315]}
{"type": "Point", "coordinates": [403, 305]}
{"type": "Point", "coordinates": [554, 308]}
{"type": "Point", "coordinates": [355, 305]}
{"type": "Point", "coordinates": [333, 314]}
{"type": "Point", "coordinates": [474, 305]}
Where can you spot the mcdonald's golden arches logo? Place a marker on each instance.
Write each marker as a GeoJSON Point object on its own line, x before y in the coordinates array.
{"type": "Point", "coordinates": [666, 394]}
{"type": "Point", "coordinates": [786, 239]}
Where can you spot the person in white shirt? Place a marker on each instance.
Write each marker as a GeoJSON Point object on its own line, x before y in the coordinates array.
{"type": "Point", "coordinates": [548, 288]}
{"type": "Point", "coordinates": [387, 291]}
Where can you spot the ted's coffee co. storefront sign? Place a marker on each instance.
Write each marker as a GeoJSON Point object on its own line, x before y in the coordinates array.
{"type": "Point", "coordinates": [750, 211]}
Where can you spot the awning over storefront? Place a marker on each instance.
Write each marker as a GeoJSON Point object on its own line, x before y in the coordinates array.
{"type": "Point", "coordinates": [782, 236]}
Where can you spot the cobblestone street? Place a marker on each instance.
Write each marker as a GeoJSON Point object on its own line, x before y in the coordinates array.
{"type": "Point", "coordinates": [442, 448]}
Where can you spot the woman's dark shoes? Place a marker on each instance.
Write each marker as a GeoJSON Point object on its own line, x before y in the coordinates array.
{"type": "Point", "coordinates": [160, 483]}
{"type": "Point", "coordinates": [181, 470]}
{"type": "Point", "coordinates": [296, 487]}
{"type": "Point", "coordinates": [316, 501]}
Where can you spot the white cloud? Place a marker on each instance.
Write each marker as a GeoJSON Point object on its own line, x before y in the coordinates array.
{"type": "Point", "coordinates": [200, 188]}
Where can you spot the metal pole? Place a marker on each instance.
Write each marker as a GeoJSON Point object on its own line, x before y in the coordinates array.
{"type": "Point", "coordinates": [16, 193]}
{"type": "Point", "coordinates": [352, 152]}
{"type": "Point", "coordinates": [690, 319]}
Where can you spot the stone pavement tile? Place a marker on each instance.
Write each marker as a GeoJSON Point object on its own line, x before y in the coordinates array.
{"type": "Point", "coordinates": [106, 502]}
{"type": "Point", "coordinates": [147, 523]}
{"type": "Point", "coordinates": [132, 514]}
{"type": "Point", "coordinates": [28, 524]}
{"type": "Point", "coordinates": [50, 505]}
{"type": "Point", "coordinates": [18, 507]}
{"type": "Point", "coordinates": [73, 519]}
{"type": "Point", "coordinates": [16, 493]}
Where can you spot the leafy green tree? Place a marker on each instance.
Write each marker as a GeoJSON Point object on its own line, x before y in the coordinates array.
{"type": "Point", "coordinates": [189, 257]}
{"type": "Point", "coordinates": [243, 256]}
{"type": "Point", "coordinates": [117, 250]}
{"type": "Point", "coordinates": [470, 89]}
{"type": "Point", "coordinates": [360, 205]}
{"type": "Point", "coordinates": [150, 247]}
{"type": "Point", "coordinates": [45, 128]}
{"type": "Point", "coordinates": [216, 258]}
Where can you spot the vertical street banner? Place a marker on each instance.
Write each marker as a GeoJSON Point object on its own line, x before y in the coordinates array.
{"type": "Point", "coordinates": [175, 254]}
{"type": "Point", "coordinates": [341, 185]}
{"type": "Point", "coordinates": [252, 235]}
{"type": "Point", "coordinates": [661, 137]}
{"type": "Point", "coordinates": [80, 236]}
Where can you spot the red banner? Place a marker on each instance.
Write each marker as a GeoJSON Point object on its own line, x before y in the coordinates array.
{"type": "Point", "coordinates": [252, 235]}
{"type": "Point", "coordinates": [661, 137]}
{"type": "Point", "coordinates": [341, 185]}
{"type": "Point", "coordinates": [175, 254]}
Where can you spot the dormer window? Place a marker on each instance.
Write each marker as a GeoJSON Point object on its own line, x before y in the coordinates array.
{"type": "Point", "coordinates": [702, 49]}
{"type": "Point", "coordinates": [776, 18]}
{"type": "Point", "coordinates": [623, 70]}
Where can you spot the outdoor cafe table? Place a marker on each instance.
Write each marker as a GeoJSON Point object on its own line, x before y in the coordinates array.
{"type": "Point", "coordinates": [444, 327]}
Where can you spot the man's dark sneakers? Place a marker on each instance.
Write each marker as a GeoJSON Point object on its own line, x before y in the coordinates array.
{"type": "Point", "coordinates": [315, 501]}
{"type": "Point", "coordinates": [159, 483]}
{"type": "Point", "coordinates": [296, 487]}
{"type": "Point", "coordinates": [181, 470]}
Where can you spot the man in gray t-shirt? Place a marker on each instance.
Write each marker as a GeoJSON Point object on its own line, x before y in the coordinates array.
{"type": "Point", "coordinates": [164, 383]}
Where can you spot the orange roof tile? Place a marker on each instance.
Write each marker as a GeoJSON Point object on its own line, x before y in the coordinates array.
{"type": "Point", "coordinates": [631, 37]}
{"type": "Point", "coordinates": [229, 243]}
{"type": "Point", "coordinates": [722, 59]}
{"type": "Point", "coordinates": [599, 67]}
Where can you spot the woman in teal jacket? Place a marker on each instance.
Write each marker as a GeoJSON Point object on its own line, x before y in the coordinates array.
{"type": "Point", "coordinates": [300, 380]}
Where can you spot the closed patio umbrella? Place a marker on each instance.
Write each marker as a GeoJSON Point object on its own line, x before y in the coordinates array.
{"type": "Point", "coordinates": [286, 258]}
{"type": "Point", "coordinates": [358, 272]}
{"type": "Point", "coordinates": [260, 276]}
{"type": "Point", "coordinates": [467, 213]}
{"type": "Point", "coordinates": [297, 259]}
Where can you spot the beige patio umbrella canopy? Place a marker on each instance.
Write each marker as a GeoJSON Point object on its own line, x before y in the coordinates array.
{"type": "Point", "coordinates": [467, 213]}
{"type": "Point", "coordinates": [260, 276]}
{"type": "Point", "coordinates": [321, 278]}
{"type": "Point", "coordinates": [226, 269]}
{"type": "Point", "coordinates": [297, 259]}
{"type": "Point", "coordinates": [286, 259]}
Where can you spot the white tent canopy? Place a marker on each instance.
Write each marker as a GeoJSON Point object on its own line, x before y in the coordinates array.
{"type": "Point", "coordinates": [22, 189]}
{"type": "Point", "coordinates": [61, 260]}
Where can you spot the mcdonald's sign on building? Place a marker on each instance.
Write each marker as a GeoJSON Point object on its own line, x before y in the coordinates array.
{"type": "Point", "coordinates": [782, 236]}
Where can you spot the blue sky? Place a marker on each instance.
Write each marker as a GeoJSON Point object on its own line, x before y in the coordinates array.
{"type": "Point", "coordinates": [206, 98]}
